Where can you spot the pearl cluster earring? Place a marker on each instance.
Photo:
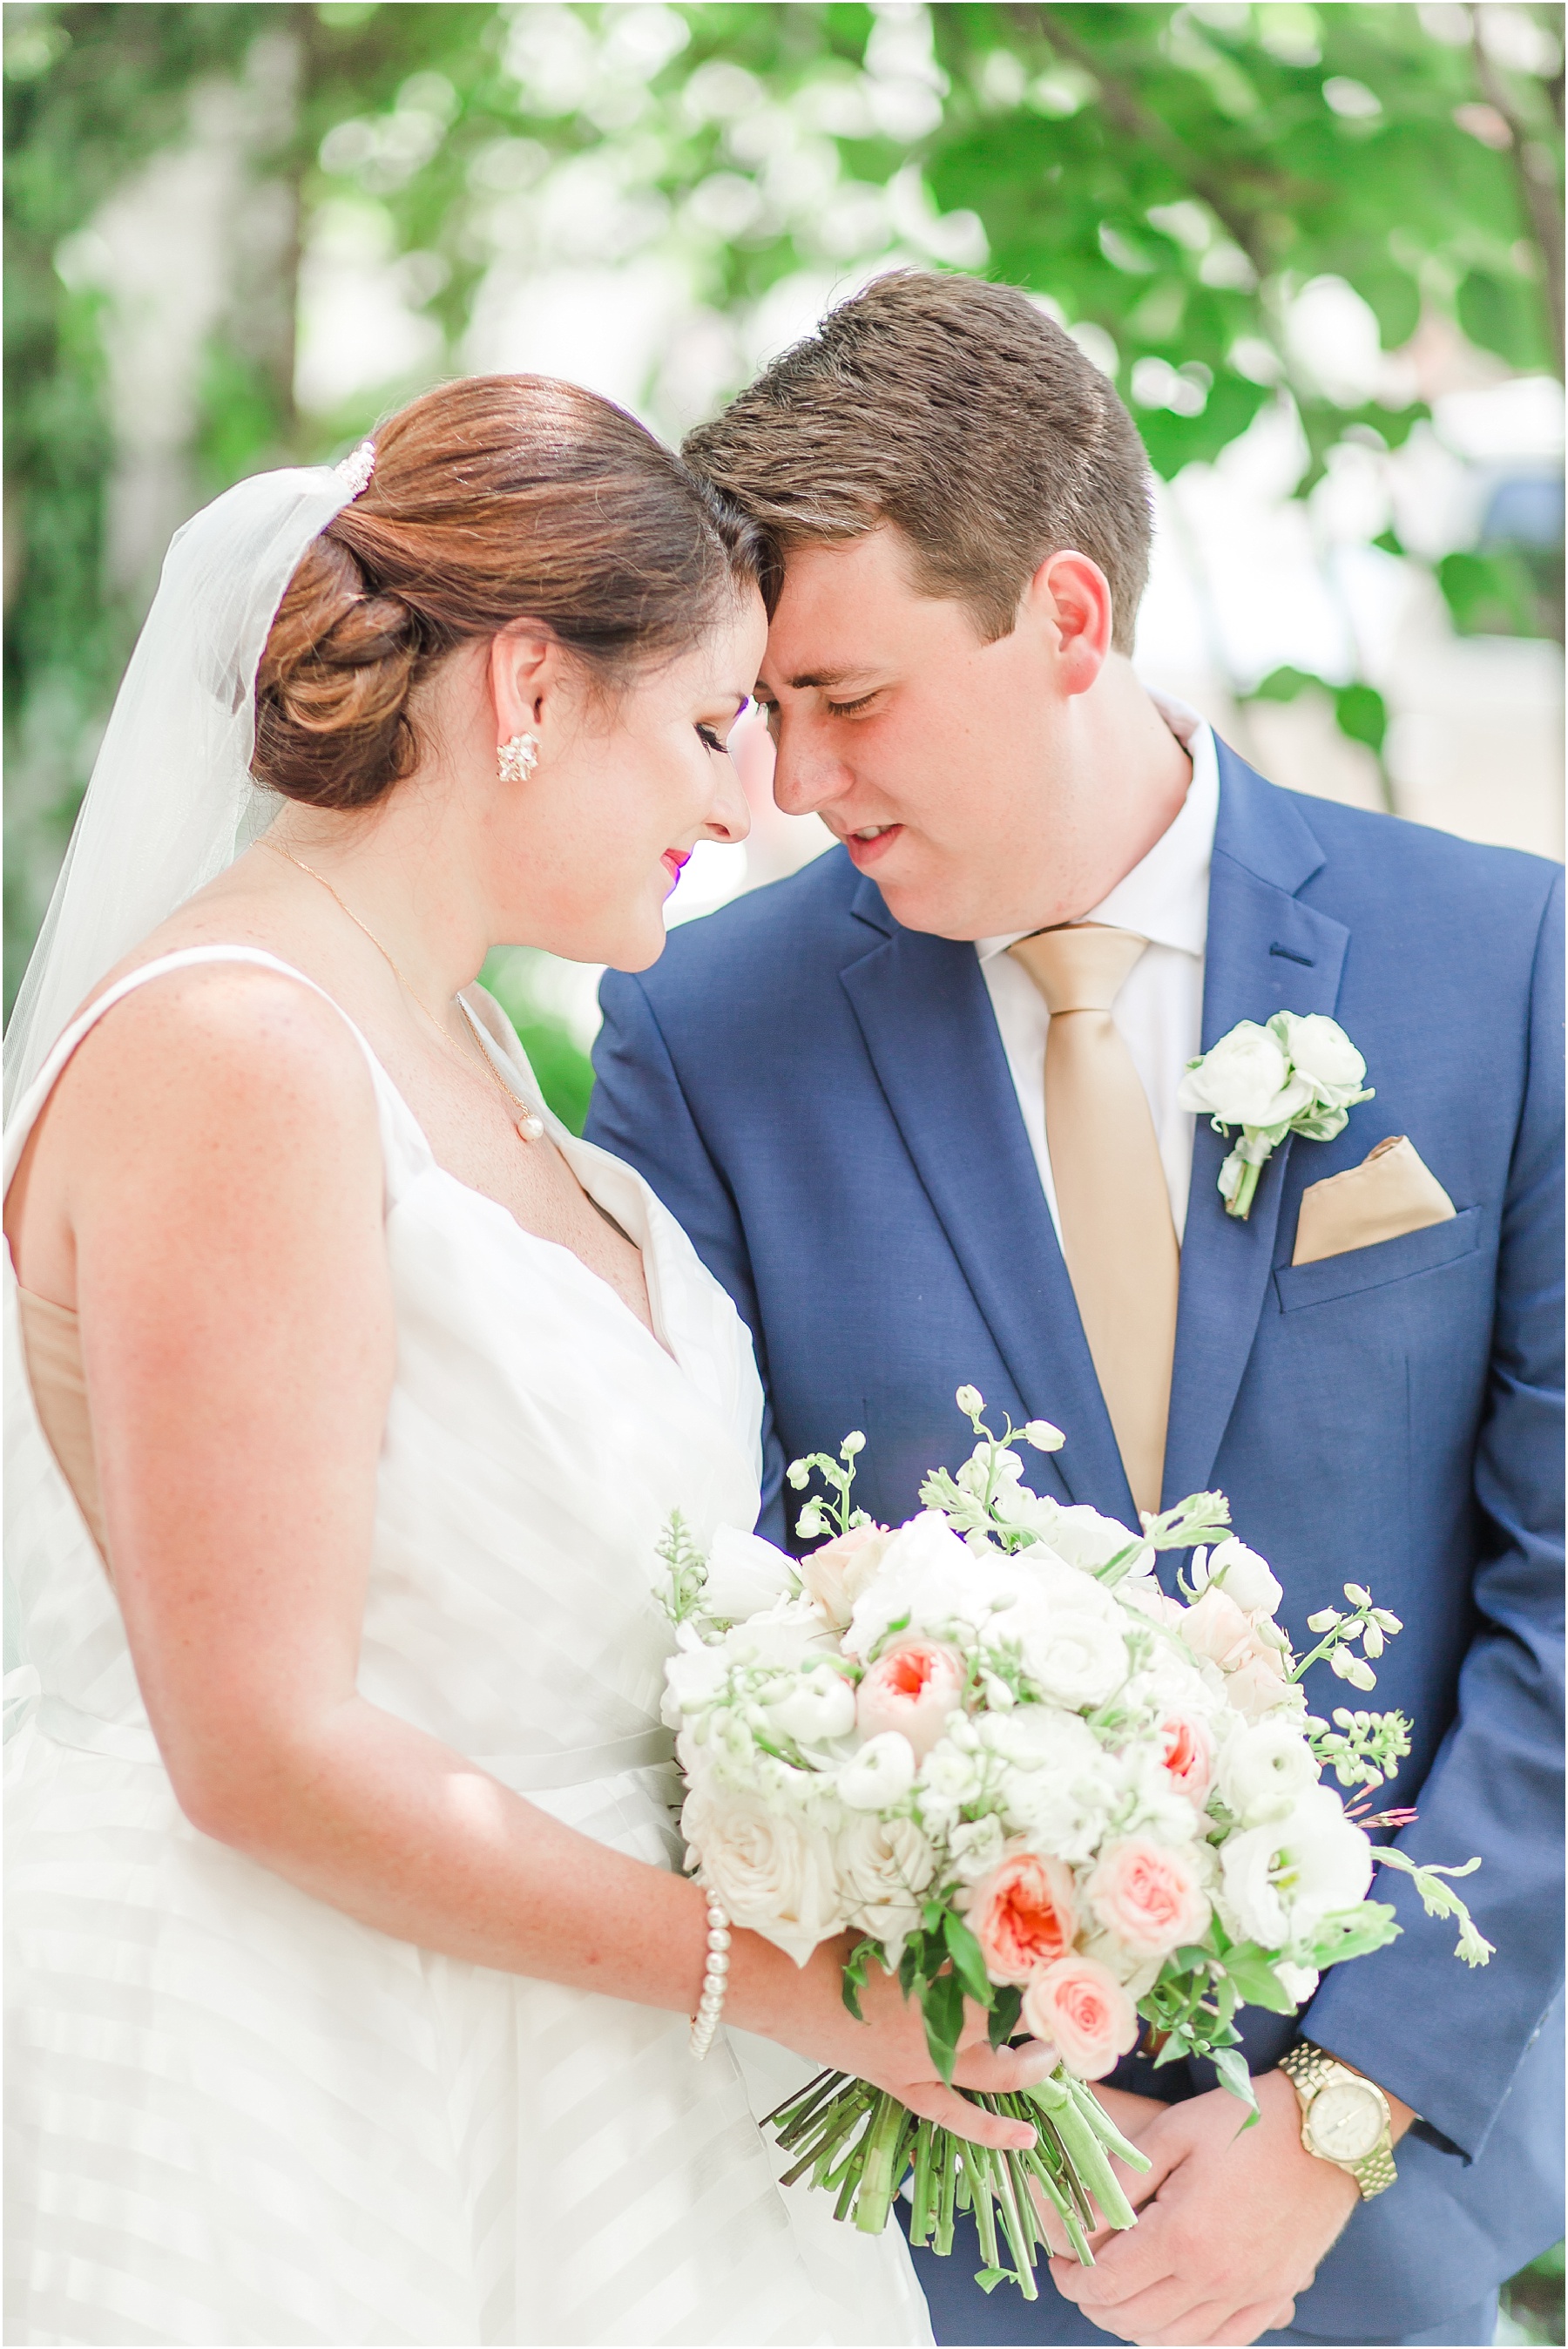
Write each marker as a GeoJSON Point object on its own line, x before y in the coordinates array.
{"type": "Point", "coordinates": [516, 761]}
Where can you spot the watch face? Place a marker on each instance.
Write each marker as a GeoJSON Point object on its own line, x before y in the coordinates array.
{"type": "Point", "coordinates": [1345, 2121]}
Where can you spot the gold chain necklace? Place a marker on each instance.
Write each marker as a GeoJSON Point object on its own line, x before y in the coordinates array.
{"type": "Point", "coordinates": [530, 1126]}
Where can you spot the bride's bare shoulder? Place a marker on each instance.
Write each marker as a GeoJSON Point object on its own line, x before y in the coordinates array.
{"type": "Point", "coordinates": [239, 1067]}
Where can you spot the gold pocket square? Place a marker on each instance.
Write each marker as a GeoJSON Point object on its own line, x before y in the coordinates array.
{"type": "Point", "coordinates": [1390, 1193]}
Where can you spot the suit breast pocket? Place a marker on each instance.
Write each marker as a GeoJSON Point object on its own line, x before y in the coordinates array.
{"type": "Point", "coordinates": [1299, 1285]}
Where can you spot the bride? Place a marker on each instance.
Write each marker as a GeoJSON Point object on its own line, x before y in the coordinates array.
{"type": "Point", "coordinates": [351, 1956]}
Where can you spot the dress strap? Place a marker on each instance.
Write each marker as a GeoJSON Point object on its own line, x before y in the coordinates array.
{"type": "Point", "coordinates": [405, 1150]}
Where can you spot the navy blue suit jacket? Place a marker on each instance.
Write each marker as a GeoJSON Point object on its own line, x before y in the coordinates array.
{"type": "Point", "coordinates": [821, 1097]}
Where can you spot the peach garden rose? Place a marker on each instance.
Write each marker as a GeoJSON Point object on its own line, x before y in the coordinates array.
{"type": "Point", "coordinates": [1024, 1915]}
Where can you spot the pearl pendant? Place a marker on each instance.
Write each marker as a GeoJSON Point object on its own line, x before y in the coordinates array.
{"type": "Point", "coordinates": [531, 1128]}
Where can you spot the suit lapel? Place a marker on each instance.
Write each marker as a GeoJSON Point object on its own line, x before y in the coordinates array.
{"type": "Point", "coordinates": [925, 1014]}
{"type": "Point", "coordinates": [1266, 952]}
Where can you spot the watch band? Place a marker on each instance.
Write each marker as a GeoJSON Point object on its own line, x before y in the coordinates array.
{"type": "Point", "coordinates": [1309, 2070]}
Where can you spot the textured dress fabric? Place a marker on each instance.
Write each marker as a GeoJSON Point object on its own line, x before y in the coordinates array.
{"type": "Point", "coordinates": [237, 2115]}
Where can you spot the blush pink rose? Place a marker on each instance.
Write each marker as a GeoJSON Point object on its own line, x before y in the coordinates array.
{"type": "Point", "coordinates": [1188, 1756]}
{"type": "Point", "coordinates": [1024, 1915]}
{"type": "Point", "coordinates": [1216, 1628]}
{"type": "Point", "coordinates": [836, 1574]}
{"type": "Point", "coordinates": [1148, 1896]}
{"type": "Point", "coordinates": [1084, 2012]}
{"type": "Point", "coordinates": [913, 1688]}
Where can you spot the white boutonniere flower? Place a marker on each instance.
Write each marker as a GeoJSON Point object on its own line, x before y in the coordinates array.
{"type": "Point", "coordinates": [1301, 1074]}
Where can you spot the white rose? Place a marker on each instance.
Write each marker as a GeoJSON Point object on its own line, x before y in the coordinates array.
{"type": "Point", "coordinates": [1244, 1577]}
{"type": "Point", "coordinates": [884, 1866]}
{"type": "Point", "coordinates": [879, 1774]}
{"type": "Point", "coordinates": [1281, 1880]}
{"type": "Point", "coordinates": [1324, 1054]}
{"type": "Point", "coordinates": [773, 1875]}
{"type": "Point", "coordinates": [1265, 1770]}
{"type": "Point", "coordinates": [818, 1705]}
{"type": "Point", "coordinates": [1245, 1080]}
{"type": "Point", "coordinates": [745, 1574]}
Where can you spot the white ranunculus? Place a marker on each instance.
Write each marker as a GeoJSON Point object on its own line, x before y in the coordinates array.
{"type": "Point", "coordinates": [1265, 1770]}
{"type": "Point", "coordinates": [773, 1875]}
{"type": "Point", "coordinates": [1322, 1053]}
{"type": "Point", "coordinates": [1281, 1880]}
{"type": "Point", "coordinates": [815, 1707]}
{"type": "Point", "coordinates": [1245, 1576]}
{"type": "Point", "coordinates": [884, 1866]}
{"type": "Point", "coordinates": [745, 1574]}
{"type": "Point", "coordinates": [879, 1774]}
{"type": "Point", "coordinates": [1245, 1080]}
{"type": "Point", "coordinates": [1079, 1660]}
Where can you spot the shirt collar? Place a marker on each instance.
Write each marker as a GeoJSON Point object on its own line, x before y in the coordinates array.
{"type": "Point", "coordinates": [1165, 897]}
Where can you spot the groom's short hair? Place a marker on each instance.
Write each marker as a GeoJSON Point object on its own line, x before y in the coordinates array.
{"type": "Point", "coordinates": [958, 412]}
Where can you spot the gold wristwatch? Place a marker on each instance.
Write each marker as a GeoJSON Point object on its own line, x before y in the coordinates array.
{"type": "Point", "coordinates": [1344, 2118]}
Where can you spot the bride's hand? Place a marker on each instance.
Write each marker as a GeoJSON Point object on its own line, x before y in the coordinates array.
{"type": "Point", "coordinates": [804, 2009]}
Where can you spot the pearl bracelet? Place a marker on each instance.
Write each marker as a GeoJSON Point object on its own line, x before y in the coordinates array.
{"type": "Point", "coordinates": [715, 1981]}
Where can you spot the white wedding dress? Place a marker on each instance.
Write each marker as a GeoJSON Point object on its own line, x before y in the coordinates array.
{"type": "Point", "coordinates": [236, 2116]}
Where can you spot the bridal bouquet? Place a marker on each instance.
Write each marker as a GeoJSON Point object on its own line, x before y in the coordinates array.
{"type": "Point", "coordinates": [989, 1745]}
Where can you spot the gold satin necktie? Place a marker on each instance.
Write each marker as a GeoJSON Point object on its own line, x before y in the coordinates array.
{"type": "Point", "coordinates": [1114, 1210]}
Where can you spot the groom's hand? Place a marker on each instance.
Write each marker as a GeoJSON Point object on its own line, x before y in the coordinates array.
{"type": "Point", "coordinates": [1233, 2225]}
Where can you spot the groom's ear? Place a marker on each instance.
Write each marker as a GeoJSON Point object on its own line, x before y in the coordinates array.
{"type": "Point", "coordinates": [1067, 602]}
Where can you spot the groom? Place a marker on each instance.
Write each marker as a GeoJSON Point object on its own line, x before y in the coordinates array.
{"type": "Point", "coordinates": [918, 1109]}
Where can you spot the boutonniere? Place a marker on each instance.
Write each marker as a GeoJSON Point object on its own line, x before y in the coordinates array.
{"type": "Point", "coordinates": [1298, 1075]}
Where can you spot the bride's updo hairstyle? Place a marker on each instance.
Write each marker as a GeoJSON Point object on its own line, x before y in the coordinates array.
{"type": "Point", "coordinates": [494, 499]}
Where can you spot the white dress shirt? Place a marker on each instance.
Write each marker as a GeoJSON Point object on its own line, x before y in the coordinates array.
{"type": "Point", "coordinates": [1160, 1010]}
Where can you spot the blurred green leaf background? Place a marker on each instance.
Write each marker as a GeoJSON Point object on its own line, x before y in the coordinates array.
{"type": "Point", "coordinates": [237, 234]}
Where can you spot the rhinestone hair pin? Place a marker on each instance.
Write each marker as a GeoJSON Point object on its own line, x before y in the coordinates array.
{"type": "Point", "coordinates": [356, 468]}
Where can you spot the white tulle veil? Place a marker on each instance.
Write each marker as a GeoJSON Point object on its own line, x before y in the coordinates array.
{"type": "Point", "coordinates": [172, 801]}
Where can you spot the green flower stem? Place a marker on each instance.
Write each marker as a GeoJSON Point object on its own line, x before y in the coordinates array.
{"type": "Point", "coordinates": [877, 2172]}
{"type": "Point", "coordinates": [1241, 1204]}
{"type": "Point", "coordinates": [858, 2143]}
{"type": "Point", "coordinates": [1105, 2129]}
{"type": "Point", "coordinates": [977, 2170]}
{"type": "Point", "coordinates": [1019, 2231]}
{"type": "Point", "coordinates": [948, 2146]}
{"type": "Point", "coordinates": [1094, 2172]}
{"type": "Point", "coordinates": [925, 2185]}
